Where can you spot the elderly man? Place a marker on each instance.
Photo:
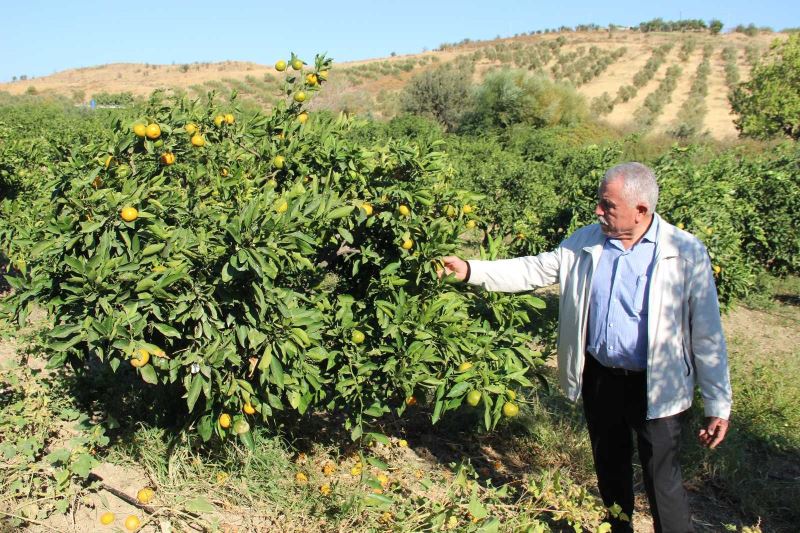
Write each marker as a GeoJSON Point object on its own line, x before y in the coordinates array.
{"type": "Point", "coordinates": [639, 326]}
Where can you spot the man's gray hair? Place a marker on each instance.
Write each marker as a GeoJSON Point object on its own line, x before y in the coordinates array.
{"type": "Point", "coordinates": [639, 184]}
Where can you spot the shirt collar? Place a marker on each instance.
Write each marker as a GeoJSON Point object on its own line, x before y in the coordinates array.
{"type": "Point", "coordinates": [651, 235]}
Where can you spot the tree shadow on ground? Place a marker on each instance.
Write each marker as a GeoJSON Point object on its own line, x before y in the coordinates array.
{"type": "Point", "coordinates": [749, 479]}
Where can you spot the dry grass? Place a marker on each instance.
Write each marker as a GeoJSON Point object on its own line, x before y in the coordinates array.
{"type": "Point", "coordinates": [142, 79]}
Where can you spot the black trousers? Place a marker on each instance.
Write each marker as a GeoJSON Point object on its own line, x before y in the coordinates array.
{"type": "Point", "coordinates": [615, 405]}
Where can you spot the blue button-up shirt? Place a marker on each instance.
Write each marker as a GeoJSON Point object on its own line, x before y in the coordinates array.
{"type": "Point", "coordinates": [618, 303]}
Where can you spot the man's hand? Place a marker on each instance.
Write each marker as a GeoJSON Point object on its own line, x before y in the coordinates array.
{"type": "Point", "coordinates": [714, 432]}
{"type": "Point", "coordinates": [453, 265]}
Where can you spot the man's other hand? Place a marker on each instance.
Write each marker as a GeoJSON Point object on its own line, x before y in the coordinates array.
{"type": "Point", "coordinates": [453, 265]}
{"type": "Point", "coordinates": [714, 432]}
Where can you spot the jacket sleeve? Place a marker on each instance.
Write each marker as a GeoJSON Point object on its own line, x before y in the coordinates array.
{"type": "Point", "coordinates": [516, 275]}
{"type": "Point", "coordinates": [709, 351]}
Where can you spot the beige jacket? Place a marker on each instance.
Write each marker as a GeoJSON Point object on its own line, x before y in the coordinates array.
{"type": "Point", "coordinates": [685, 340]}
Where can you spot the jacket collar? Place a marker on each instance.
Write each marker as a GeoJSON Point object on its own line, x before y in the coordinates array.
{"type": "Point", "coordinates": [665, 240]}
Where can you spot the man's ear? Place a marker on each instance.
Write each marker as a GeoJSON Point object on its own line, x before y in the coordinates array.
{"type": "Point", "coordinates": [641, 210]}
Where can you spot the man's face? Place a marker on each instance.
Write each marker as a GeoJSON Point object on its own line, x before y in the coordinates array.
{"type": "Point", "coordinates": [616, 216]}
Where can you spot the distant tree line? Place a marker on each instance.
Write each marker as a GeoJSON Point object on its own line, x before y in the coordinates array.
{"type": "Point", "coordinates": [659, 24]}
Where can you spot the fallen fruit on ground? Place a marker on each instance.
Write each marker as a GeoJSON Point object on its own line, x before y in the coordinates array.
{"type": "Point", "coordinates": [145, 495]}
{"type": "Point", "coordinates": [107, 518]}
{"type": "Point", "coordinates": [132, 523]}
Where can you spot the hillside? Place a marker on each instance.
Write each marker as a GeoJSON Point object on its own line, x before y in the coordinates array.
{"type": "Point", "coordinates": [596, 62]}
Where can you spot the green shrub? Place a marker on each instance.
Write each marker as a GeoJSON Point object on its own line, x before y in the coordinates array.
{"type": "Point", "coordinates": [769, 103]}
{"type": "Point", "coordinates": [514, 97]}
{"type": "Point", "coordinates": [441, 93]}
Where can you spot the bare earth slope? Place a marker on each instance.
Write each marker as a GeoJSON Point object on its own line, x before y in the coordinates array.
{"type": "Point", "coordinates": [370, 84]}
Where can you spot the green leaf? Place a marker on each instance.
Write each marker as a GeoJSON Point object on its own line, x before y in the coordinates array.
{"type": "Point", "coordinates": [459, 389]}
{"type": "Point", "coordinates": [247, 439]}
{"type": "Point", "coordinates": [277, 371]}
{"type": "Point", "coordinates": [199, 505]}
{"type": "Point", "coordinates": [74, 264]}
{"type": "Point", "coordinates": [378, 437]}
{"type": "Point", "coordinates": [377, 463]}
{"type": "Point", "coordinates": [204, 428]}
{"type": "Point", "coordinates": [62, 346]}
{"type": "Point", "coordinates": [377, 500]}
{"type": "Point", "coordinates": [476, 508]}
{"type": "Point", "coordinates": [82, 465]}
{"type": "Point", "coordinates": [194, 391]}
{"type": "Point", "coordinates": [149, 374]}
{"type": "Point", "coordinates": [391, 268]}
{"type": "Point", "coordinates": [340, 212]}
{"type": "Point", "coordinates": [167, 331]}
{"type": "Point", "coordinates": [346, 235]}
{"type": "Point", "coordinates": [153, 248]}
{"type": "Point", "coordinates": [89, 227]}
{"type": "Point", "coordinates": [59, 332]}
{"type": "Point", "coordinates": [491, 525]}
{"type": "Point", "coordinates": [55, 457]}
{"type": "Point", "coordinates": [375, 410]}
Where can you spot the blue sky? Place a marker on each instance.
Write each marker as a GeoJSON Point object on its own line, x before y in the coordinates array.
{"type": "Point", "coordinates": [40, 37]}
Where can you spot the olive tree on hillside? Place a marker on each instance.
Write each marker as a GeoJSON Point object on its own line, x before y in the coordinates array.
{"type": "Point", "coordinates": [441, 93]}
{"type": "Point", "coordinates": [513, 96]}
{"type": "Point", "coordinates": [769, 104]}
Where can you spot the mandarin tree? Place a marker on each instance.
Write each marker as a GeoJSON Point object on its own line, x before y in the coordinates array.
{"type": "Point", "coordinates": [268, 269]}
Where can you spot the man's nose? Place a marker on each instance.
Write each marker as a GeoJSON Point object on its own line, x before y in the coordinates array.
{"type": "Point", "coordinates": [598, 210]}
